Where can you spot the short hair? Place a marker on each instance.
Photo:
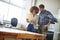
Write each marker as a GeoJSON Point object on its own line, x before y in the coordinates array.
{"type": "Point", "coordinates": [34, 8]}
{"type": "Point", "coordinates": [41, 6]}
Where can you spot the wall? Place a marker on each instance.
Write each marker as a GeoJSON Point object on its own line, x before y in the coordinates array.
{"type": "Point", "coordinates": [59, 3]}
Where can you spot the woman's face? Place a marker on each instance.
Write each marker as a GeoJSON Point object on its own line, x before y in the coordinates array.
{"type": "Point", "coordinates": [34, 13]}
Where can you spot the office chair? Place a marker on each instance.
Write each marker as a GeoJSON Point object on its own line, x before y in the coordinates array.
{"type": "Point", "coordinates": [14, 22]}
{"type": "Point", "coordinates": [30, 28]}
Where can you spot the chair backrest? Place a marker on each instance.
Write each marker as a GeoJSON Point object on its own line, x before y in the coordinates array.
{"type": "Point", "coordinates": [14, 22]}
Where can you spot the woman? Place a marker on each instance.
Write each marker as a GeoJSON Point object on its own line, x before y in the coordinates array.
{"type": "Point", "coordinates": [32, 19]}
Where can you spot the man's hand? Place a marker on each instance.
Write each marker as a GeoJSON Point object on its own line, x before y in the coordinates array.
{"type": "Point", "coordinates": [37, 25]}
{"type": "Point", "coordinates": [47, 25]}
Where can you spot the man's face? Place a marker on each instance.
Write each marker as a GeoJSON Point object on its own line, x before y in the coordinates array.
{"type": "Point", "coordinates": [41, 9]}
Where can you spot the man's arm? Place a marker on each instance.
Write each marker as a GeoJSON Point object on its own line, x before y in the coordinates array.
{"type": "Point", "coordinates": [52, 19]}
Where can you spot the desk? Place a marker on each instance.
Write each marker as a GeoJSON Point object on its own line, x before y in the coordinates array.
{"type": "Point", "coordinates": [14, 33]}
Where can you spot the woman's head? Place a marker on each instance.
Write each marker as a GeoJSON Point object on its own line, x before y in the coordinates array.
{"type": "Point", "coordinates": [34, 10]}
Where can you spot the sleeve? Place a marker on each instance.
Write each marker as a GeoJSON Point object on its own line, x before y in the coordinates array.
{"type": "Point", "coordinates": [29, 18]}
{"type": "Point", "coordinates": [38, 20]}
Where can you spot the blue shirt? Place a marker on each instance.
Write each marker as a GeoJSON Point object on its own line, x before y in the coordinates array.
{"type": "Point", "coordinates": [45, 17]}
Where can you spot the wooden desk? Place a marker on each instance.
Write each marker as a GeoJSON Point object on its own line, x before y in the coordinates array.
{"type": "Point", "coordinates": [20, 34]}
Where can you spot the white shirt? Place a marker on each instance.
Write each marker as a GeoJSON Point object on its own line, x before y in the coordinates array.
{"type": "Point", "coordinates": [33, 19]}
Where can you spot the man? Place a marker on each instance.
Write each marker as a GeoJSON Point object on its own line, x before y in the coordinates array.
{"type": "Point", "coordinates": [45, 18]}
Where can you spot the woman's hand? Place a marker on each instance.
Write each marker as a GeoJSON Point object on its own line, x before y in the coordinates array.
{"type": "Point", "coordinates": [29, 20]}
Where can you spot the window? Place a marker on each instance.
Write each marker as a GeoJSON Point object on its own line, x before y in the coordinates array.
{"type": "Point", "coordinates": [3, 10]}
{"type": "Point", "coordinates": [14, 8]}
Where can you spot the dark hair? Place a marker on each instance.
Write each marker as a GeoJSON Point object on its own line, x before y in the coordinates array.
{"type": "Point", "coordinates": [34, 8]}
{"type": "Point", "coordinates": [41, 6]}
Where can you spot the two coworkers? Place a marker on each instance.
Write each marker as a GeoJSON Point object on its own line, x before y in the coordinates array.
{"type": "Point", "coordinates": [39, 24]}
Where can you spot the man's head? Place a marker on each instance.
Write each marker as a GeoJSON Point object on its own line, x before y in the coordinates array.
{"type": "Point", "coordinates": [41, 7]}
{"type": "Point", "coordinates": [34, 10]}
